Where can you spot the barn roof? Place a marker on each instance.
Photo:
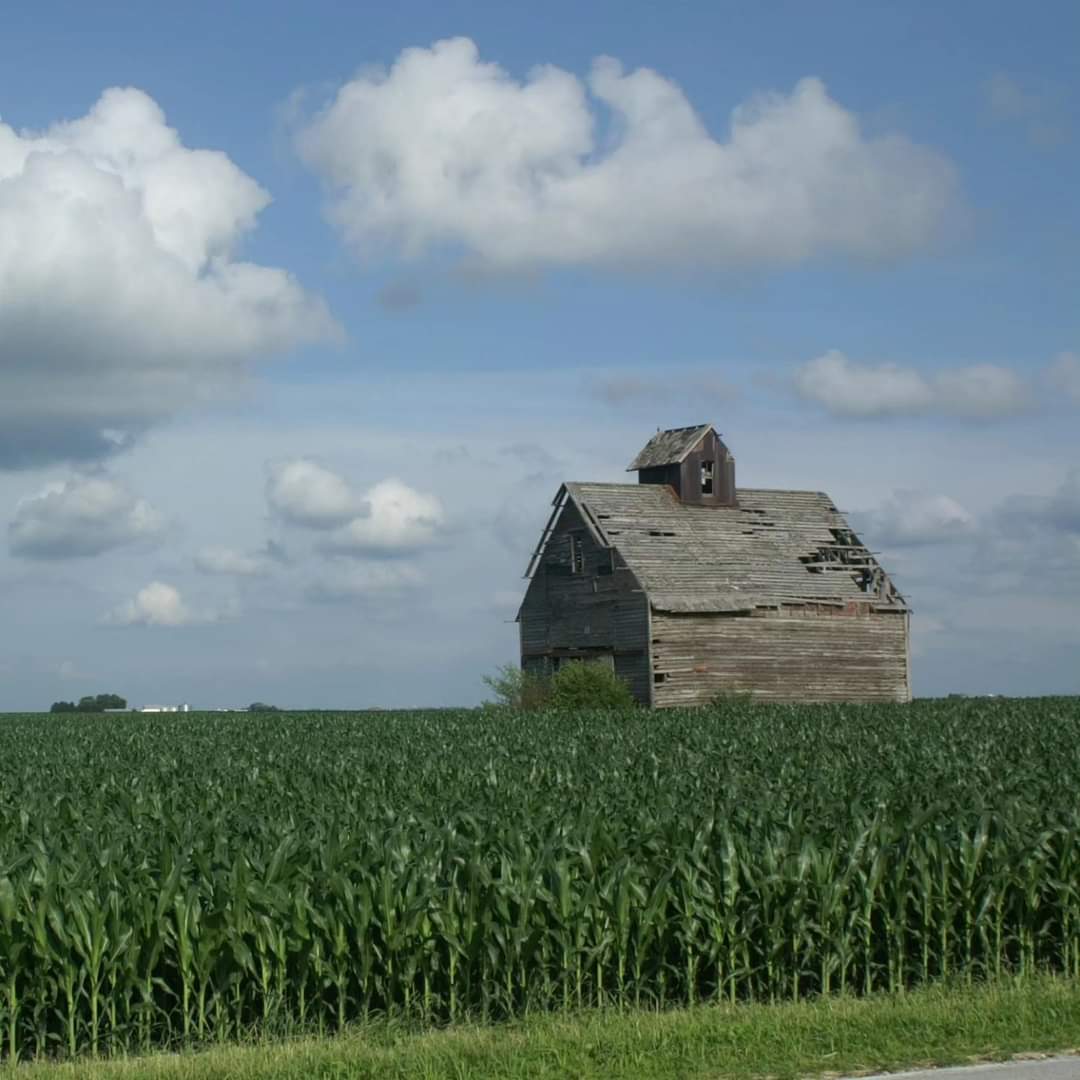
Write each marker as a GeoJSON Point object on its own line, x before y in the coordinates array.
{"type": "Point", "coordinates": [774, 547]}
{"type": "Point", "coordinates": [669, 447]}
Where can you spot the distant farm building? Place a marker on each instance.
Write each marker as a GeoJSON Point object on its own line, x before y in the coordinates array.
{"type": "Point", "coordinates": [692, 588]}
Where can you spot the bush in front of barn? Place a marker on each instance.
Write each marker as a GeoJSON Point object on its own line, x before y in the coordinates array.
{"type": "Point", "coordinates": [579, 684]}
{"type": "Point", "coordinates": [583, 685]}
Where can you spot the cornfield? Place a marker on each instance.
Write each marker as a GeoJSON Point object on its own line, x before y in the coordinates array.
{"type": "Point", "coordinates": [181, 878]}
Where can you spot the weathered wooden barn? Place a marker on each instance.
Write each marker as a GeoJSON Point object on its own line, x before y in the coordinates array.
{"type": "Point", "coordinates": [692, 588]}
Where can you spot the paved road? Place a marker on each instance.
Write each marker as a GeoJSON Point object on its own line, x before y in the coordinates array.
{"type": "Point", "coordinates": [1055, 1068]}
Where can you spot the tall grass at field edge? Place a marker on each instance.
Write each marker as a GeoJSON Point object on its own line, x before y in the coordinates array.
{"type": "Point", "coordinates": [939, 1025]}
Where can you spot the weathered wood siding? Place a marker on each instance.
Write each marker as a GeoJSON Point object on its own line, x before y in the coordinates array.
{"type": "Point", "coordinates": [791, 654]}
{"type": "Point", "coordinates": [633, 669]}
{"type": "Point", "coordinates": [598, 609]}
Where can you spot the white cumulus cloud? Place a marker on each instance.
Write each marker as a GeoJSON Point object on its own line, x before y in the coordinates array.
{"type": "Point", "coordinates": [388, 519]}
{"type": "Point", "coordinates": [122, 297]}
{"type": "Point", "coordinates": [846, 387]}
{"type": "Point", "coordinates": [84, 516]}
{"type": "Point", "coordinates": [305, 493]}
{"type": "Point", "coordinates": [157, 604]}
{"type": "Point", "coordinates": [398, 520]}
{"type": "Point", "coordinates": [445, 150]}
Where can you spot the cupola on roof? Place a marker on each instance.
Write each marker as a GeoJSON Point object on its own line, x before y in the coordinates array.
{"type": "Point", "coordinates": [669, 447]}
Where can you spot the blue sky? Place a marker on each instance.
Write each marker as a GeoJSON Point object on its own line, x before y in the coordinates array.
{"type": "Point", "coordinates": [471, 270]}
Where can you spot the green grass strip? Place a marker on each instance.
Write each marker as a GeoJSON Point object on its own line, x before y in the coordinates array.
{"type": "Point", "coordinates": [936, 1026]}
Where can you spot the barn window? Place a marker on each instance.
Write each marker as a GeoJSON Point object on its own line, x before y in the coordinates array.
{"type": "Point", "coordinates": [706, 477]}
{"type": "Point", "coordinates": [577, 554]}
{"type": "Point", "coordinates": [659, 677]}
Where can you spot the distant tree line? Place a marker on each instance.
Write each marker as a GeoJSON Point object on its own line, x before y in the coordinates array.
{"type": "Point", "coordinates": [90, 703]}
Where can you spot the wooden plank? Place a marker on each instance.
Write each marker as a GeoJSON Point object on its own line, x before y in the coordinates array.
{"type": "Point", "coordinates": [789, 656]}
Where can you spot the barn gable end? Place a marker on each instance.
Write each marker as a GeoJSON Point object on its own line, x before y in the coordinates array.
{"type": "Point", "coordinates": [583, 602]}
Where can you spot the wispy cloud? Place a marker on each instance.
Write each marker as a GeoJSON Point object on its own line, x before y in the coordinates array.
{"type": "Point", "coordinates": [345, 582]}
{"type": "Point", "coordinates": [400, 296]}
{"type": "Point", "coordinates": [230, 562]}
{"type": "Point", "coordinates": [917, 518]}
{"type": "Point", "coordinates": [1010, 100]}
{"type": "Point", "coordinates": [633, 389]}
{"type": "Point", "coordinates": [852, 388]}
{"type": "Point", "coordinates": [1063, 376]}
